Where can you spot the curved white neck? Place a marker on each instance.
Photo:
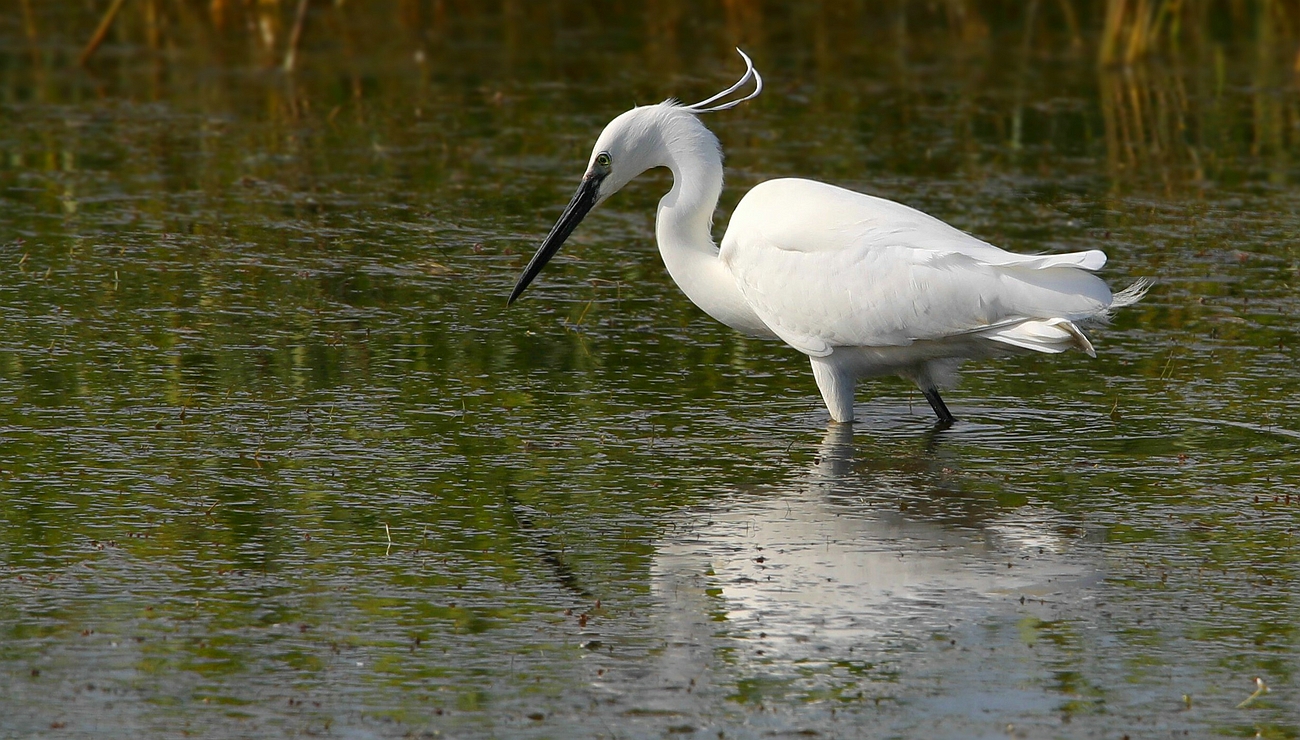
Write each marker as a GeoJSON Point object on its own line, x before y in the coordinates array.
{"type": "Point", "coordinates": [682, 228]}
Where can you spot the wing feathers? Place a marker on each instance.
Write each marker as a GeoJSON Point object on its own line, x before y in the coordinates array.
{"type": "Point", "coordinates": [826, 267]}
{"type": "Point", "coordinates": [1051, 335]}
{"type": "Point", "coordinates": [1091, 260]}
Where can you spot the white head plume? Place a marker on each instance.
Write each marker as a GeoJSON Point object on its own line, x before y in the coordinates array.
{"type": "Point", "coordinates": [750, 73]}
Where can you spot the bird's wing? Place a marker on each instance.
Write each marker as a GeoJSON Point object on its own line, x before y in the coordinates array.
{"type": "Point", "coordinates": [826, 267]}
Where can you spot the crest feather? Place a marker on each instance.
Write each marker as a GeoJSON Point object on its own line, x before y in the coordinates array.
{"type": "Point", "coordinates": [750, 73]}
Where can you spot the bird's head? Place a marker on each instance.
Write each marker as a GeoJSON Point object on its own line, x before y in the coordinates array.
{"type": "Point", "coordinates": [630, 144]}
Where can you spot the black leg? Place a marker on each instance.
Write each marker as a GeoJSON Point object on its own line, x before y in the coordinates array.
{"type": "Point", "coordinates": [940, 409]}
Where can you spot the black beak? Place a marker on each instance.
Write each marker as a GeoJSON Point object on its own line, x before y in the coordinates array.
{"type": "Point", "coordinates": [582, 202]}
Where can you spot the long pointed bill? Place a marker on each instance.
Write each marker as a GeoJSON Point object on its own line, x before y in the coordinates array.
{"type": "Point", "coordinates": [582, 202]}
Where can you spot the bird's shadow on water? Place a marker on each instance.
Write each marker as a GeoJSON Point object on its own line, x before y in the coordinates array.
{"type": "Point", "coordinates": [872, 544]}
{"type": "Point", "coordinates": [834, 460]}
{"type": "Point", "coordinates": [934, 434]}
{"type": "Point", "coordinates": [535, 538]}
{"type": "Point", "coordinates": [876, 465]}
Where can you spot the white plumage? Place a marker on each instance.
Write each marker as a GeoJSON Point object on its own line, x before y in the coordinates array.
{"type": "Point", "coordinates": [862, 285]}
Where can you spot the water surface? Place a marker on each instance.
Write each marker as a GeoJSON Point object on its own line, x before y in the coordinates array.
{"type": "Point", "coordinates": [275, 460]}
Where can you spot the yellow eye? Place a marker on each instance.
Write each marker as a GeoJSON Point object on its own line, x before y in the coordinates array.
{"type": "Point", "coordinates": [603, 159]}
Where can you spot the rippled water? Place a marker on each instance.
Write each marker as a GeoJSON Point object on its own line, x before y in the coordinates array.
{"type": "Point", "coordinates": [276, 460]}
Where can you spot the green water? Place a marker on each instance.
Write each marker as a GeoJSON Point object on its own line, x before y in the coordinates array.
{"type": "Point", "coordinates": [275, 459]}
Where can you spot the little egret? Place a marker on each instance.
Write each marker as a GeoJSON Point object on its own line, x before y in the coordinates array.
{"type": "Point", "coordinates": [862, 285]}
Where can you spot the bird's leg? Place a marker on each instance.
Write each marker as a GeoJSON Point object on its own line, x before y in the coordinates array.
{"type": "Point", "coordinates": [836, 386]}
{"type": "Point", "coordinates": [940, 408]}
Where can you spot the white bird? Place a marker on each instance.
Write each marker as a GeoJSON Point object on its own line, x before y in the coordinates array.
{"type": "Point", "coordinates": [863, 286]}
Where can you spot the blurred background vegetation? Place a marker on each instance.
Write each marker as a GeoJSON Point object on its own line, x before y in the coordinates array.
{"type": "Point", "coordinates": [1111, 31]}
{"type": "Point", "coordinates": [1151, 56]}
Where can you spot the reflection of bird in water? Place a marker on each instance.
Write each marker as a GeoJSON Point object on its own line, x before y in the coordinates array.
{"type": "Point", "coordinates": [863, 286]}
{"type": "Point", "coordinates": [830, 564]}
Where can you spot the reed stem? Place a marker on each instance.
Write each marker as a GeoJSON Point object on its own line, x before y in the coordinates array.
{"type": "Point", "coordinates": [100, 33]}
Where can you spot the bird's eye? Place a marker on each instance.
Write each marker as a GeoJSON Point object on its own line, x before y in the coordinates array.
{"type": "Point", "coordinates": [603, 159]}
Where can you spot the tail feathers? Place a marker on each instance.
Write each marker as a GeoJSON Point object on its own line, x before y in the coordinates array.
{"type": "Point", "coordinates": [1132, 294]}
{"type": "Point", "coordinates": [1126, 297]}
{"type": "Point", "coordinates": [1059, 335]}
{"type": "Point", "coordinates": [1043, 335]}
